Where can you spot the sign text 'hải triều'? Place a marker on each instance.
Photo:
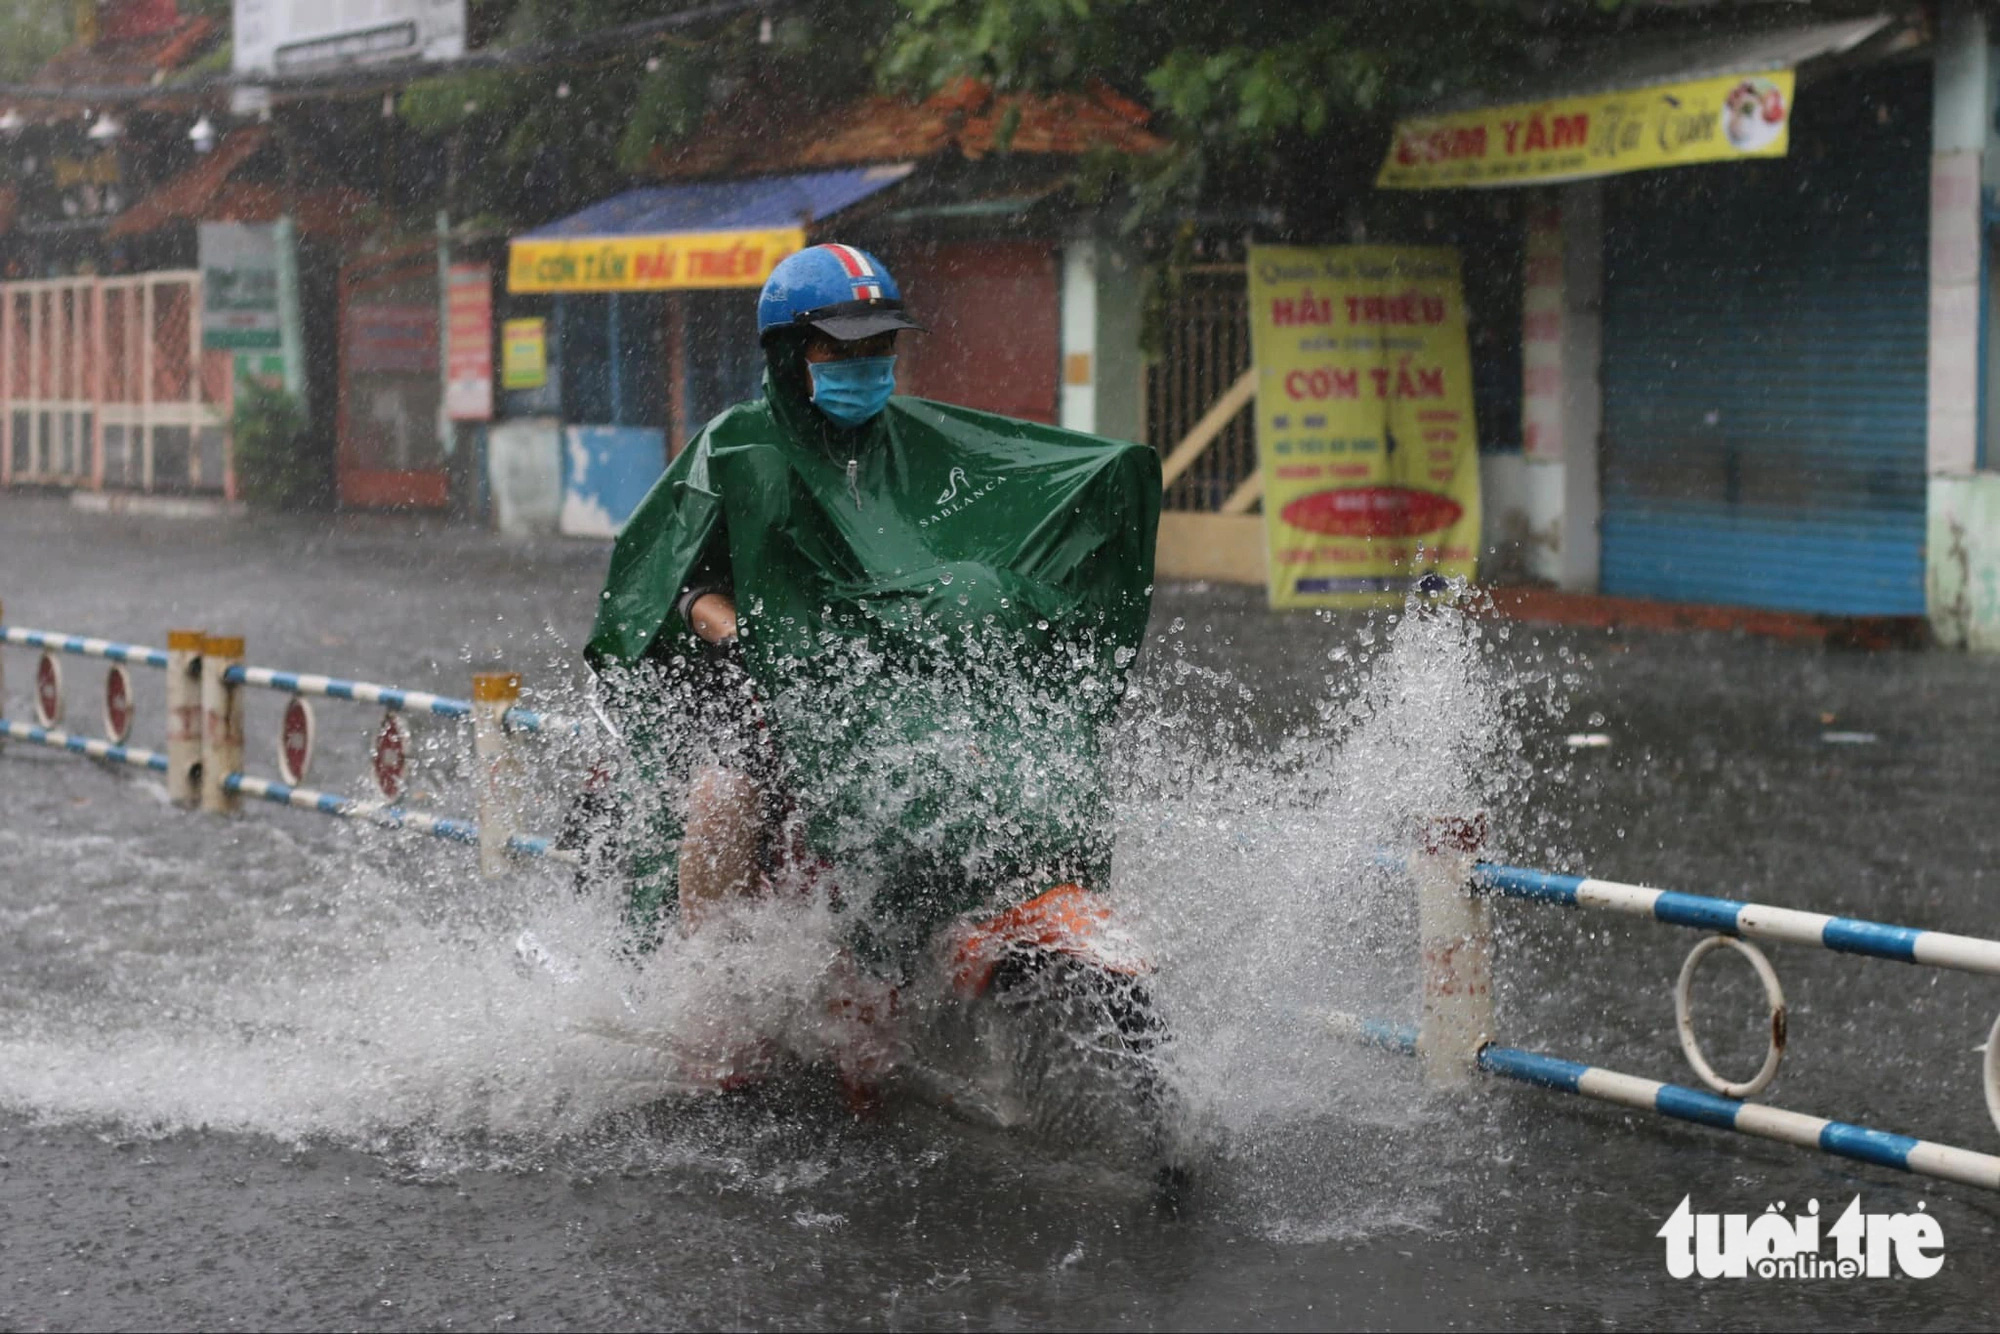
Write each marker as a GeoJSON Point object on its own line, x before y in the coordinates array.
{"type": "Point", "coordinates": [676, 260]}
{"type": "Point", "coordinates": [1365, 428]}
{"type": "Point", "coordinates": [1707, 120]}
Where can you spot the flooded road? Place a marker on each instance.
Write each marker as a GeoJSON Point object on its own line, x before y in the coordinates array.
{"type": "Point", "coordinates": [280, 1071]}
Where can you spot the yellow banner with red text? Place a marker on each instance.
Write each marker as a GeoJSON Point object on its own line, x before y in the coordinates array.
{"type": "Point", "coordinates": [1707, 120]}
{"type": "Point", "coordinates": [1365, 430]}
{"type": "Point", "coordinates": [676, 260]}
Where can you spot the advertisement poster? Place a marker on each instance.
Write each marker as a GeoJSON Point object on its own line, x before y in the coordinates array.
{"type": "Point", "coordinates": [1708, 120]}
{"type": "Point", "coordinates": [391, 338]}
{"type": "Point", "coordinates": [239, 285]}
{"type": "Point", "coordinates": [524, 354]}
{"type": "Point", "coordinates": [468, 391]}
{"type": "Point", "coordinates": [1365, 429]}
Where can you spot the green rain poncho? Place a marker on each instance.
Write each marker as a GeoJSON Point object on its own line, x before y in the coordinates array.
{"type": "Point", "coordinates": [936, 612]}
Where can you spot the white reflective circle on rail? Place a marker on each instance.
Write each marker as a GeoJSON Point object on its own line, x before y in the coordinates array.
{"type": "Point", "coordinates": [1990, 1068]}
{"type": "Point", "coordinates": [1684, 1017]}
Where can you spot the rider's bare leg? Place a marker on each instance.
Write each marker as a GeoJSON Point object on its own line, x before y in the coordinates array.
{"type": "Point", "coordinates": [719, 851]}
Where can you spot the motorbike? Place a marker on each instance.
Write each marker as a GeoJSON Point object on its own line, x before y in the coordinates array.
{"type": "Point", "coordinates": [1038, 1021]}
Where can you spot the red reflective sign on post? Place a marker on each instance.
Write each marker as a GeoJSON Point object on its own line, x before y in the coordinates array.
{"type": "Point", "coordinates": [48, 691]}
{"type": "Point", "coordinates": [391, 756]}
{"type": "Point", "coordinates": [295, 741]}
{"type": "Point", "coordinates": [118, 709]}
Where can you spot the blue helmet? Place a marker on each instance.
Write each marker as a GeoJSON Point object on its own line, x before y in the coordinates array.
{"type": "Point", "coordinates": [843, 292]}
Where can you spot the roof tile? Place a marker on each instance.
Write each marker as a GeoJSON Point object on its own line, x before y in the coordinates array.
{"type": "Point", "coordinates": [133, 61]}
{"type": "Point", "coordinates": [966, 115]}
{"type": "Point", "coordinates": [205, 193]}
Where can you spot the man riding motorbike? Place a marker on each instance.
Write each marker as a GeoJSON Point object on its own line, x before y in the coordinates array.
{"type": "Point", "coordinates": [875, 640]}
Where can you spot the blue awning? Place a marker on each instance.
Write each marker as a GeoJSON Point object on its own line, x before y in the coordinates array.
{"type": "Point", "coordinates": [759, 204]}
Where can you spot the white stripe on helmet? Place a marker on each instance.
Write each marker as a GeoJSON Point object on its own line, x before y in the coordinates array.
{"type": "Point", "coordinates": [856, 257]}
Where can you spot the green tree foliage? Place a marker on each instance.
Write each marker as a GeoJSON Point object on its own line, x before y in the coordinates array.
{"type": "Point", "coordinates": [276, 464]}
{"type": "Point", "coordinates": [1248, 92]}
{"type": "Point", "coordinates": [1236, 71]}
{"type": "Point", "coordinates": [1245, 86]}
{"type": "Point", "coordinates": [30, 32]}
{"type": "Point", "coordinates": [589, 120]}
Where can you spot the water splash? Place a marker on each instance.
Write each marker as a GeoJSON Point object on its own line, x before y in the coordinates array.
{"type": "Point", "coordinates": [371, 994]}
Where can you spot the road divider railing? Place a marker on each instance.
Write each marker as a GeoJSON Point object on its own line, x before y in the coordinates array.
{"type": "Point", "coordinates": [202, 759]}
{"type": "Point", "coordinates": [118, 704]}
{"type": "Point", "coordinates": [1455, 1036]}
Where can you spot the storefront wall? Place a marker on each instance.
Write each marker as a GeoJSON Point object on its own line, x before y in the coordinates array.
{"type": "Point", "coordinates": [634, 377]}
{"type": "Point", "coordinates": [1963, 548]}
{"type": "Point", "coordinates": [714, 357]}
{"type": "Point", "coordinates": [991, 311]}
{"type": "Point", "coordinates": [994, 314]}
{"type": "Point", "coordinates": [1764, 365]}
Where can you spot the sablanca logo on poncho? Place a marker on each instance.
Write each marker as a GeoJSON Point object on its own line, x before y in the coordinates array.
{"type": "Point", "coordinates": [960, 493]}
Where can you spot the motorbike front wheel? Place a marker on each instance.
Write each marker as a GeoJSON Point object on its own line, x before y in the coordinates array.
{"type": "Point", "coordinates": [1086, 1054]}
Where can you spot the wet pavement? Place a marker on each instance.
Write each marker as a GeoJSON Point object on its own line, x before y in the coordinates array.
{"type": "Point", "coordinates": [277, 1071]}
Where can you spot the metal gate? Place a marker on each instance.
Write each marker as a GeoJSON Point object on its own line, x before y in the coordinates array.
{"type": "Point", "coordinates": [1765, 343]}
{"type": "Point", "coordinates": [47, 338]}
{"type": "Point", "coordinates": [103, 383]}
{"type": "Point", "coordinates": [1204, 357]}
{"type": "Point", "coordinates": [1196, 392]}
{"type": "Point", "coordinates": [390, 394]}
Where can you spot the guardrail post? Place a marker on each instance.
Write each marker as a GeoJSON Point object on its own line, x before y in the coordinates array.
{"type": "Point", "coordinates": [493, 693]}
{"type": "Point", "coordinates": [221, 721]}
{"type": "Point", "coordinates": [184, 716]}
{"type": "Point", "coordinates": [1456, 936]}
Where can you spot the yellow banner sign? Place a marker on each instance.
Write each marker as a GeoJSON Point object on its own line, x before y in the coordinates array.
{"type": "Point", "coordinates": [677, 260]}
{"type": "Point", "coordinates": [1710, 120]}
{"type": "Point", "coordinates": [1365, 430]}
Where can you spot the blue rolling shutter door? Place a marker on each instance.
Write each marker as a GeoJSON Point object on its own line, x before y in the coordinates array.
{"type": "Point", "coordinates": [1765, 335]}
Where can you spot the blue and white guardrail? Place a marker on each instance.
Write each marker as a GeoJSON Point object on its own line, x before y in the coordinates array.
{"type": "Point", "coordinates": [203, 759]}
{"type": "Point", "coordinates": [57, 739]}
{"type": "Point", "coordinates": [391, 697]}
{"type": "Point", "coordinates": [1846, 935]}
{"type": "Point", "coordinates": [1840, 1138]}
{"type": "Point", "coordinates": [1456, 1035]}
{"type": "Point", "coordinates": [84, 647]}
{"type": "Point", "coordinates": [387, 815]}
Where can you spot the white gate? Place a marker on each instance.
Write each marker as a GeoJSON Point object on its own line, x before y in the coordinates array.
{"type": "Point", "coordinates": [47, 335]}
{"type": "Point", "coordinates": [103, 383]}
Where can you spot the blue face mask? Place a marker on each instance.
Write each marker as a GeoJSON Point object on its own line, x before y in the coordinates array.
{"type": "Point", "coordinates": [852, 391]}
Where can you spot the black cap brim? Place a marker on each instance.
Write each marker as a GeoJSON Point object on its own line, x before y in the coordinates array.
{"type": "Point", "coordinates": [864, 324]}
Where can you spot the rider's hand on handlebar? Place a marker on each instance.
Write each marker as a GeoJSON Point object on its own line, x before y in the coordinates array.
{"type": "Point", "coordinates": [713, 617]}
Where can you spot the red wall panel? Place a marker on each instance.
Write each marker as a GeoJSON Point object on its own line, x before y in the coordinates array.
{"type": "Point", "coordinates": [994, 311]}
